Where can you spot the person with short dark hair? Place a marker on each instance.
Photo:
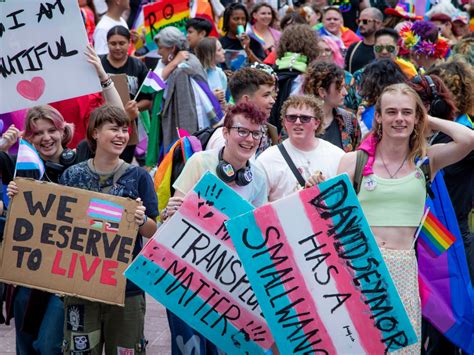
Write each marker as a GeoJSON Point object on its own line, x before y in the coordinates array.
{"type": "Point", "coordinates": [108, 326]}
{"type": "Point", "coordinates": [235, 20]}
{"type": "Point", "coordinates": [112, 18]}
{"type": "Point", "coordinates": [362, 53]}
{"type": "Point", "coordinates": [117, 61]}
{"type": "Point", "coordinates": [197, 29]}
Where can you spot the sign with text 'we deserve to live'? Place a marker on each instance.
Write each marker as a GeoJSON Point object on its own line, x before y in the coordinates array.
{"type": "Point", "coordinates": [319, 276]}
{"type": "Point", "coordinates": [42, 45]}
{"type": "Point", "coordinates": [69, 241]}
{"type": "Point", "coordinates": [191, 267]}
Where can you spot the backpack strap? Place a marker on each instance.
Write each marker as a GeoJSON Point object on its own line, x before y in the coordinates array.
{"type": "Point", "coordinates": [361, 161]}
{"type": "Point", "coordinates": [291, 164]}
{"type": "Point", "coordinates": [426, 169]}
{"type": "Point", "coordinates": [352, 55]}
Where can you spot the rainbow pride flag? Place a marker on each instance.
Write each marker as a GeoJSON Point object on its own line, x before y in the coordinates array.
{"type": "Point", "coordinates": [158, 15]}
{"type": "Point", "coordinates": [435, 236]}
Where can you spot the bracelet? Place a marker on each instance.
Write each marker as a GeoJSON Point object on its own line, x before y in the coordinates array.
{"type": "Point", "coordinates": [144, 221]}
{"type": "Point", "coordinates": [106, 83]}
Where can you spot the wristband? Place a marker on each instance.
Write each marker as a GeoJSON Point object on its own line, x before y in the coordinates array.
{"type": "Point", "coordinates": [144, 221]}
{"type": "Point", "coordinates": [106, 83]}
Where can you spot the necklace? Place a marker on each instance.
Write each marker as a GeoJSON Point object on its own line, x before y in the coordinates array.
{"type": "Point", "coordinates": [388, 171]}
{"type": "Point", "coordinates": [114, 170]}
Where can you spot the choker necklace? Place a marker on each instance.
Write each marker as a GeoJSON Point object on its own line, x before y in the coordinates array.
{"type": "Point", "coordinates": [396, 172]}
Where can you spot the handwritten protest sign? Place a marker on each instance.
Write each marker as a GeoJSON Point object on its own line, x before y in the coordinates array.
{"type": "Point", "coordinates": [162, 14]}
{"type": "Point", "coordinates": [42, 53]}
{"type": "Point", "coordinates": [192, 268]}
{"type": "Point", "coordinates": [69, 241]}
{"type": "Point", "coordinates": [319, 276]}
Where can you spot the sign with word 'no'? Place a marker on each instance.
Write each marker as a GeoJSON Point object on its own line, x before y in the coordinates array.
{"type": "Point", "coordinates": [192, 268]}
{"type": "Point", "coordinates": [159, 15]}
{"type": "Point", "coordinates": [69, 241]}
{"type": "Point", "coordinates": [319, 276]}
{"type": "Point", "coordinates": [42, 57]}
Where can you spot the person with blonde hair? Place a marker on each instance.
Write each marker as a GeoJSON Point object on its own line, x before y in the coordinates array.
{"type": "Point", "coordinates": [315, 159]}
{"type": "Point", "coordinates": [392, 190]}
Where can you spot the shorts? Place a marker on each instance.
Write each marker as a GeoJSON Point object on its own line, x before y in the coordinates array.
{"type": "Point", "coordinates": [89, 325]}
{"type": "Point", "coordinates": [403, 269]}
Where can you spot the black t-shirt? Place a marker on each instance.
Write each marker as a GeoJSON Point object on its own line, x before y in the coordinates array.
{"type": "Point", "coordinates": [333, 135]}
{"type": "Point", "coordinates": [234, 44]}
{"type": "Point", "coordinates": [459, 179]}
{"type": "Point", "coordinates": [363, 55]}
{"type": "Point", "coordinates": [136, 72]}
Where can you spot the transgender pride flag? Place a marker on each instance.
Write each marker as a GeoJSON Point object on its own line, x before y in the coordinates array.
{"type": "Point", "coordinates": [105, 210]}
{"type": "Point", "coordinates": [28, 159]}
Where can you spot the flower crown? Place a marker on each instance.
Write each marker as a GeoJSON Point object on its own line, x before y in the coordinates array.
{"type": "Point", "coordinates": [413, 42]}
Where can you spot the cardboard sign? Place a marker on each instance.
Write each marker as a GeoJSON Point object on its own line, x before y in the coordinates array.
{"type": "Point", "coordinates": [192, 268]}
{"type": "Point", "coordinates": [319, 276]}
{"type": "Point", "coordinates": [42, 53]}
{"type": "Point", "coordinates": [69, 241]}
{"type": "Point", "coordinates": [162, 14]}
{"type": "Point", "coordinates": [121, 84]}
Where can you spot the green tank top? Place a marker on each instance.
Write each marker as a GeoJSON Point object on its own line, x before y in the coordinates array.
{"type": "Point", "coordinates": [393, 202]}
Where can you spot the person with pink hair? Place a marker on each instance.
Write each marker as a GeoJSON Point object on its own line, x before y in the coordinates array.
{"type": "Point", "coordinates": [329, 52]}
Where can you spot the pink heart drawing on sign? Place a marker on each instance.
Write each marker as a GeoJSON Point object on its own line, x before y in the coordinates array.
{"type": "Point", "coordinates": [31, 90]}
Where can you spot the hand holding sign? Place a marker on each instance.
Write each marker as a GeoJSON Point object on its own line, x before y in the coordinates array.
{"type": "Point", "coordinates": [41, 59]}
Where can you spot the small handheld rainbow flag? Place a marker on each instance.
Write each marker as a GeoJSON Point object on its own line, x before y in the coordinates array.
{"type": "Point", "coordinates": [434, 236]}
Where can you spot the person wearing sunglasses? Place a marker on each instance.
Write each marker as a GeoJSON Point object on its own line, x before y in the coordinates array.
{"type": "Point", "coordinates": [362, 53]}
{"type": "Point", "coordinates": [315, 159]}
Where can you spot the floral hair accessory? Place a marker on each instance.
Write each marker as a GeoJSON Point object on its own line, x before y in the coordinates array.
{"type": "Point", "coordinates": [413, 38]}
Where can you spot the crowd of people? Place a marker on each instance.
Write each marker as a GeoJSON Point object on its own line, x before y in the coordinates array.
{"type": "Point", "coordinates": [285, 95]}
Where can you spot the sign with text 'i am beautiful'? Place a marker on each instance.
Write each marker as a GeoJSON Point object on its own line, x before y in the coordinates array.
{"type": "Point", "coordinates": [42, 45]}
{"type": "Point", "coordinates": [318, 274]}
{"type": "Point", "coordinates": [192, 268]}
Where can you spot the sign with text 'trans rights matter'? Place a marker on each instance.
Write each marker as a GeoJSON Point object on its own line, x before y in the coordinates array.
{"type": "Point", "coordinates": [192, 268]}
{"type": "Point", "coordinates": [69, 241]}
{"type": "Point", "coordinates": [319, 276]}
{"type": "Point", "coordinates": [42, 44]}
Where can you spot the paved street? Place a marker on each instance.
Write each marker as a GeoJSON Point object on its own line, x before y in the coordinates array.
{"type": "Point", "coordinates": [156, 331]}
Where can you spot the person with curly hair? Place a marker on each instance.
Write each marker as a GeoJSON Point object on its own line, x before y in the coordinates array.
{"type": "Point", "coordinates": [459, 78]}
{"type": "Point", "coordinates": [314, 158]}
{"type": "Point", "coordinates": [326, 81]}
{"type": "Point", "coordinates": [297, 48]}
{"type": "Point", "coordinates": [465, 49]}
